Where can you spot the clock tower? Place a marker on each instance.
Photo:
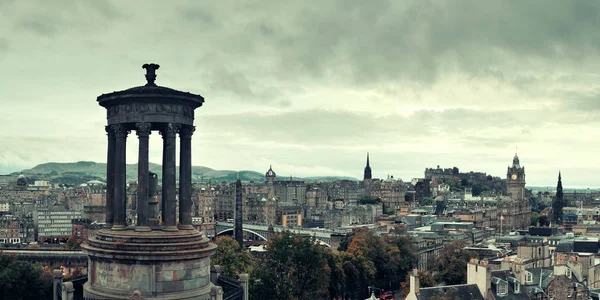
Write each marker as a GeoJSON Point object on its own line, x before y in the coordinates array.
{"type": "Point", "coordinates": [515, 180]}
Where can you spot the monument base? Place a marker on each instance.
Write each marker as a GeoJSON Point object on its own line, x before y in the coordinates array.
{"type": "Point", "coordinates": [158, 264]}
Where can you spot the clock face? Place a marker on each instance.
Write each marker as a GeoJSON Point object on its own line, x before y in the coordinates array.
{"type": "Point", "coordinates": [514, 177]}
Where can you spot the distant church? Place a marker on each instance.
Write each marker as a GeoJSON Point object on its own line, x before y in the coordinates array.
{"type": "Point", "coordinates": [367, 175]}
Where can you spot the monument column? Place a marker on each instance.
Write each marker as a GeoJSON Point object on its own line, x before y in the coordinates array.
{"type": "Point", "coordinates": [110, 177]}
{"type": "Point", "coordinates": [169, 180]}
{"type": "Point", "coordinates": [143, 131]}
{"type": "Point", "coordinates": [185, 177]}
{"type": "Point", "coordinates": [120, 189]}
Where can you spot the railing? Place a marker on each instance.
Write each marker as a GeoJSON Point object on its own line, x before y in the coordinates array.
{"type": "Point", "coordinates": [59, 291]}
{"type": "Point", "coordinates": [232, 288]}
{"type": "Point", "coordinates": [234, 294]}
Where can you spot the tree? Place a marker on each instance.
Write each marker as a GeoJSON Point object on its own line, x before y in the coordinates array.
{"type": "Point", "coordinates": [382, 261]}
{"type": "Point", "coordinates": [22, 280]}
{"type": "Point", "coordinates": [337, 278]}
{"type": "Point", "coordinates": [451, 264]}
{"type": "Point", "coordinates": [294, 267]}
{"type": "Point", "coordinates": [369, 200]}
{"type": "Point", "coordinates": [230, 257]}
{"type": "Point", "coordinates": [426, 201]}
{"type": "Point", "coordinates": [544, 221]}
{"type": "Point", "coordinates": [73, 242]}
{"type": "Point", "coordinates": [534, 218]}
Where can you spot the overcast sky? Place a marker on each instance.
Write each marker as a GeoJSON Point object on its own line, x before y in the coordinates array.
{"type": "Point", "coordinates": [311, 86]}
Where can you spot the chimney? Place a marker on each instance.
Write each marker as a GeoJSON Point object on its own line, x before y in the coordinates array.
{"type": "Point", "coordinates": [480, 274]}
{"type": "Point", "coordinates": [414, 282]}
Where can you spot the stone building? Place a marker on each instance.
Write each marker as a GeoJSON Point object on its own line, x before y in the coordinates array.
{"type": "Point", "coordinates": [290, 190]}
{"type": "Point", "coordinates": [10, 229]}
{"type": "Point", "coordinates": [566, 287]}
{"type": "Point", "coordinates": [54, 225]}
{"type": "Point", "coordinates": [516, 210]}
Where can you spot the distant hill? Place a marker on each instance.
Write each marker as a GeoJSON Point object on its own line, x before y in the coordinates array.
{"type": "Point", "coordinates": [83, 171]}
{"type": "Point", "coordinates": [328, 178]}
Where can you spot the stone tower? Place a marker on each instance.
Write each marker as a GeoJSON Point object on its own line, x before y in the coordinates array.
{"type": "Point", "coordinates": [164, 261]}
{"type": "Point", "coordinates": [515, 180]}
{"type": "Point", "coordinates": [270, 176]}
{"type": "Point", "coordinates": [558, 204]}
{"type": "Point", "coordinates": [367, 174]}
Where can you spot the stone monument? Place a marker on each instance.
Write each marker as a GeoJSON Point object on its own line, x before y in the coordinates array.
{"type": "Point", "coordinates": [156, 260]}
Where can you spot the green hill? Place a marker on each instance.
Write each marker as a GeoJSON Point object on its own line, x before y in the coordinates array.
{"type": "Point", "coordinates": [83, 171]}
{"type": "Point", "coordinates": [55, 171]}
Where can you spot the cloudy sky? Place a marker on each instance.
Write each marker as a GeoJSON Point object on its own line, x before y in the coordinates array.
{"type": "Point", "coordinates": [311, 86]}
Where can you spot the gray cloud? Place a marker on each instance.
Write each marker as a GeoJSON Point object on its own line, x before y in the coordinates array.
{"type": "Point", "coordinates": [3, 46]}
{"type": "Point", "coordinates": [312, 85]}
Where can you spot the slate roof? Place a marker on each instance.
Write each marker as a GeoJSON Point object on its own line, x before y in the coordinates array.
{"type": "Point", "coordinates": [461, 291]}
{"type": "Point", "coordinates": [541, 278]}
{"type": "Point", "coordinates": [506, 277]}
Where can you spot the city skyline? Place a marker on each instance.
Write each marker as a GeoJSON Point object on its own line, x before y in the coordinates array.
{"type": "Point", "coordinates": [310, 89]}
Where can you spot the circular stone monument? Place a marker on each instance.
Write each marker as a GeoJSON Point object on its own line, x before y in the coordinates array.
{"type": "Point", "coordinates": [161, 256]}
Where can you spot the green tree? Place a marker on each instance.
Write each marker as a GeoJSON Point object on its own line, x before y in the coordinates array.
{"type": "Point", "coordinates": [426, 201]}
{"type": "Point", "coordinates": [383, 261]}
{"type": "Point", "coordinates": [231, 258]}
{"type": "Point", "coordinates": [451, 264]}
{"type": "Point", "coordinates": [369, 200]}
{"type": "Point", "coordinates": [337, 278]}
{"type": "Point", "coordinates": [544, 221]}
{"type": "Point", "coordinates": [534, 218]}
{"type": "Point", "coordinates": [73, 242]}
{"type": "Point", "coordinates": [23, 280]}
{"type": "Point", "coordinates": [294, 267]}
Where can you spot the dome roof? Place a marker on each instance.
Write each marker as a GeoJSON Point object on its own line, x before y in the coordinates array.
{"type": "Point", "coordinates": [150, 91]}
{"type": "Point", "coordinates": [516, 161]}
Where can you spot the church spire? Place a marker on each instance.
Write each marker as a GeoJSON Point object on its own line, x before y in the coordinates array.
{"type": "Point", "coordinates": [558, 203]}
{"type": "Point", "coordinates": [559, 185]}
{"type": "Point", "coordinates": [367, 174]}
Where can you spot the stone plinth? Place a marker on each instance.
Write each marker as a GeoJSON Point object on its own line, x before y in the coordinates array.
{"type": "Point", "coordinates": [159, 264]}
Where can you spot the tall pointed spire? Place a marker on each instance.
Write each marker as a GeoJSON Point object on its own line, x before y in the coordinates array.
{"type": "Point", "coordinates": [559, 202]}
{"type": "Point", "coordinates": [367, 174]}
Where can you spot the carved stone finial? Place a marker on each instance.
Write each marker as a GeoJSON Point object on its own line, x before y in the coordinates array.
{"type": "Point", "coordinates": [150, 73]}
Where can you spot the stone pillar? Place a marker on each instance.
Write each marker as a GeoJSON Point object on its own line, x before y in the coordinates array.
{"type": "Point", "coordinates": [67, 291]}
{"type": "Point", "coordinates": [216, 293]}
{"type": "Point", "coordinates": [153, 200]}
{"type": "Point", "coordinates": [245, 280]}
{"type": "Point", "coordinates": [120, 178]}
{"type": "Point", "coordinates": [185, 177]}
{"type": "Point", "coordinates": [110, 177]}
{"type": "Point", "coordinates": [143, 131]}
{"type": "Point", "coordinates": [169, 180]}
{"type": "Point", "coordinates": [215, 272]}
{"type": "Point", "coordinates": [58, 277]}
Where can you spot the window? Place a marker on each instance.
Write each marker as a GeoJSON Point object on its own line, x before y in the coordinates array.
{"type": "Point", "coordinates": [502, 289]}
{"type": "Point", "coordinates": [517, 287]}
{"type": "Point", "coordinates": [528, 277]}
